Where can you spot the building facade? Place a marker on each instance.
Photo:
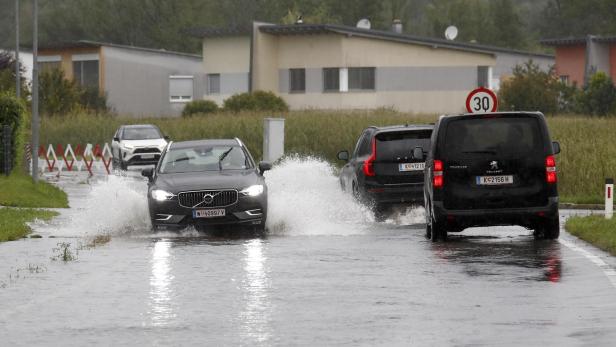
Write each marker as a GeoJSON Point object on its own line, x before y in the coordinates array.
{"type": "Point", "coordinates": [340, 67]}
{"type": "Point", "coordinates": [137, 81]}
{"type": "Point", "coordinates": [579, 58]}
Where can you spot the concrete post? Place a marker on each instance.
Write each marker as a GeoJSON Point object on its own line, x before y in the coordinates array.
{"type": "Point", "coordinates": [273, 139]}
{"type": "Point", "coordinates": [609, 198]}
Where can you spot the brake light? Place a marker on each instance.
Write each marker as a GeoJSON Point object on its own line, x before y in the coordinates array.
{"type": "Point", "coordinates": [550, 169]}
{"type": "Point", "coordinates": [438, 174]}
{"type": "Point", "coordinates": [368, 167]}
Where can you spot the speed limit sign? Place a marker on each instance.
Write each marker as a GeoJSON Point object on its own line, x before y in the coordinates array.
{"type": "Point", "coordinates": [481, 100]}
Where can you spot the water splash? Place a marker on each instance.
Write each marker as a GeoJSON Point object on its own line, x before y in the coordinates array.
{"type": "Point", "coordinates": [305, 198]}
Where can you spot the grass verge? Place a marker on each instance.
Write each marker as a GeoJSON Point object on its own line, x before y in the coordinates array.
{"type": "Point", "coordinates": [13, 221]}
{"type": "Point", "coordinates": [596, 230]}
{"type": "Point", "coordinates": [19, 191]}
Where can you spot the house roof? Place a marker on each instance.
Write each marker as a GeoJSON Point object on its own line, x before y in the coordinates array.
{"type": "Point", "coordinates": [312, 29]}
{"type": "Point", "coordinates": [569, 41]}
{"type": "Point", "coordinates": [95, 44]}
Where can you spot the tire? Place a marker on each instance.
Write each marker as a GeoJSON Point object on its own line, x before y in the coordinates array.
{"type": "Point", "coordinates": [438, 232]}
{"type": "Point", "coordinates": [380, 212]}
{"type": "Point", "coordinates": [548, 230]}
{"type": "Point", "coordinates": [123, 165]}
{"type": "Point", "coordinates": [428, 231]}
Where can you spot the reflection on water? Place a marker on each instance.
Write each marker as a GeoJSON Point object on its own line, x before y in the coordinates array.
{"type": "Point", "coordinates": [485, 256]}
{"type": "Point", "coordinates": [161, 292]}
{"type": "Point", "coordinates": [255, 317]}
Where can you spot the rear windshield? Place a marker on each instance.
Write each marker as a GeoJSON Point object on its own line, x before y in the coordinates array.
{"type": "Point", "coordinates": [143, 133]}
{"type": "Point", "coordinates": [501, 135]}
{"type": "Point", "coordinates": [396, 144]}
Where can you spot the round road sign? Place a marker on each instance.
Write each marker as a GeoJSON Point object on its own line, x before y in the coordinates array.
{"type": "Point", "coordinates": [481, 100]}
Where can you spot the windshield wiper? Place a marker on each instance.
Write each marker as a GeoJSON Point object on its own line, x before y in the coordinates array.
{"type": "Point", "coordinates": [222, 157]}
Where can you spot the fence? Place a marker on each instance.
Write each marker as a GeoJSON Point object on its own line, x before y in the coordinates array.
{"type": "Point", "coordinates": [82, 158]}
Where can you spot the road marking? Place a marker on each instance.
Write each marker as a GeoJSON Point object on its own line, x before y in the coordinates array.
{"type": "Point", "coordinates": [609, 271]}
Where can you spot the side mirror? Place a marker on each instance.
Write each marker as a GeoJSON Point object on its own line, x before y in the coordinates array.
{"type": "Point", "coordinates": [116, 139]}
{"type": "Point", "coordinates": [149, 173]}
{"type": "Point", "coordinates": [264, 166]}
{"type": "Point", "coordinates": [343, 155]}
{"type": "Point", "coordinates": [418, 153]}
{"type": "Point", "coordinates": [166, 137]}
{"type": "Point", "coordinates": [556, 147]}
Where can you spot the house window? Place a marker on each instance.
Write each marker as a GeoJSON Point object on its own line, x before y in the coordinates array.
{"type": "Point", "coordinates": [483, 76]}
{"type": "Point", "coordinates": [48, 63]}
{"type": "Point", "coordinates": [297, 80]}
{"type": "Point", "coordinates": [180, 88]}
{"type": "Point", "coordinates": [564, 79]}
{"type": "Point", "coordinates": [361, 78]}
{"type": "Point", "coordinates": [213, 83]}
{"type": "Point", "coordinates": [85, 73]}
{"type": "Point", "coordinates": [331, 79]}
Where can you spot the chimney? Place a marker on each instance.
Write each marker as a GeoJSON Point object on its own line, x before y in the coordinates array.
{"type": "Point", "coordinates": [396, 26]}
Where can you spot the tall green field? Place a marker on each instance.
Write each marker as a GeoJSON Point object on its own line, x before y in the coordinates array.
{"type": "Point", "coordinates": [588, 144]}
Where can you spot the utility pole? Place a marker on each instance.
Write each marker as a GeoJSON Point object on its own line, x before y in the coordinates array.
{"type": "Point", "coordinates": [17, 75]}
{"type": "Point", "coordinates": [35, 95]}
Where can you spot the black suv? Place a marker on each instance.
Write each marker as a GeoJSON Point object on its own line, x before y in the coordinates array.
{"type": "Point", "coordinates": [491, 169]}
{"type": "Point", "coordinates": [383, 171]}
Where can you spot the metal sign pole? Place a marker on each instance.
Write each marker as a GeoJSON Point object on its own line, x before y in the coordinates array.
{"type": "Point", "coordinates": [17, 72]}
{"type": "Point", "coordinates": [35, 95]}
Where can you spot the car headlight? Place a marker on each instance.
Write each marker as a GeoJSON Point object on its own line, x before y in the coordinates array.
{"type": "Point", "coordinates": [161, 195]}
{"type": "Point", "coordinates": [127, 146]}
{"type": "Point", "coordinates": [253, 190]}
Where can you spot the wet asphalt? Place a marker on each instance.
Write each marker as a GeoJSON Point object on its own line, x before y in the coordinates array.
{"type": "Point", "coordinates": [383, 285]}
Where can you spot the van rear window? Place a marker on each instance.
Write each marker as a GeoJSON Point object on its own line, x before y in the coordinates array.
{"type": "Point", "coordinates": [498, 135]}
{"type": "Point", "coordinates": [390, 144]}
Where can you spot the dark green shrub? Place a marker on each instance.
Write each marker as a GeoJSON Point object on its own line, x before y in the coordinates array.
{"type": "Point", "coordinates": [532, 89]}
{"type": "Point", "coordinates": [7, 74]}
{"type": "Point", "coordinates": [57, 95]}
{"type": "Point", "coordinates": [255, 101]}
{"type": "Point", "coordinates": [199, 107]}
{"type": "Point", "coordinates": [599, 97]}
{"type": "Point", "coordinates": [92, 99]}
{"type": "Point", "coordinates": [12, 113]}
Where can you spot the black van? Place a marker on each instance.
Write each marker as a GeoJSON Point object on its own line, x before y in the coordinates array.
{"type": "Point", "coordinates": [491, 169]}
{"type": "Point", "coordinates": [382, 171]}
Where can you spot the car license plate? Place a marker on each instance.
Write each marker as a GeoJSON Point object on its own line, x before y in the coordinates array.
{"type": "Point", "coordinates": [209, 213]}
{"type": "Point", "coordinates": [147, 156]}
{"type": "Point", "coordinates": [494, 180]}
{"type": "Point", "coordinates": [411, 166]}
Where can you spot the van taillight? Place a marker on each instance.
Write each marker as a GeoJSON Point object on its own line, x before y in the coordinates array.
{"type": "Point", "coordinates": [368, 164]}
{"type": "Point", "coordinates": [438, 174]}
{"type": "Point", "coordinates": [550, 169]}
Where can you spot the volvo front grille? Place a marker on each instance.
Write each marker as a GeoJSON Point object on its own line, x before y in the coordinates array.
{"type": "Point", "coordinates": [208, 198]}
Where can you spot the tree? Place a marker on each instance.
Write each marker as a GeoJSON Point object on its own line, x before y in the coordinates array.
{"type": "Point", "coordinates": [599, 97]}
{"type": "Point", "coordinates": [531, 89]}
{"type": "Point", "coordinates": [7, 74]}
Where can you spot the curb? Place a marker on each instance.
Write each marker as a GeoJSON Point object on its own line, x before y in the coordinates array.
{"type": "Point", "coordinates": [571, 206]}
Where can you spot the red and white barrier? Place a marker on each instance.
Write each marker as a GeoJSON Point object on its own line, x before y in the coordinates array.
{"type": "Point", "coordinates": [90, 158]}
{"type": "Point", "coordinates": [609, 198]}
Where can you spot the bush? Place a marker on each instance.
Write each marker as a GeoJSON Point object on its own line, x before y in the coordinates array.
{"type": "Point", "coordinates": [199, 107]}
{"type": "Point", "coordinates": [57, 95]}
{"type": "Point", "coordinates": [599, 97]}
{"type": "Point", "coordinates": [12, 113]}
{"type": "Point", "coordinates": [256, 101]}
{"type": "Point", "coordinates": [7, 74]}
{"type": "Point", "coordinates": [91, 99]}
{"type": "Point", "coordinates": [532, 89]}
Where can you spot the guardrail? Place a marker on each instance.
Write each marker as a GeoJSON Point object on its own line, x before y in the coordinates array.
{"type": "Point", "coordinates": [82, 158]}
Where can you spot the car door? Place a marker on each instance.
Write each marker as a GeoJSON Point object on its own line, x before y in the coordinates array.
{"type": "Point", "coordinates": [349, 170]}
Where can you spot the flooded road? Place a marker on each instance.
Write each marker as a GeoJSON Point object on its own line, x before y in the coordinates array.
{"type": "Point", "coordinates": [324, 274]}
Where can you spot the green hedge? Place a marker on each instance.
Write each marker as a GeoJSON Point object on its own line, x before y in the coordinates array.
{"type": "Point", "coordinates": [12, 113]}
{"type": "Point", "coordinates": [255, 101]}
{"type": "Point", "coordinates": [199, 107]}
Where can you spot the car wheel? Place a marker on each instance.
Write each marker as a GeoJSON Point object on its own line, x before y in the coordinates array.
{"type": "Point", "coordinates": [428, 231]}
{"type": "Point", "coordinates": [380, 212]}
{"type": "Point", "coordinates": [549, 230]}
{"type": "Point", "coordinates": [437, 232]}
{"type": "Point", "coordinates": [123, 165]}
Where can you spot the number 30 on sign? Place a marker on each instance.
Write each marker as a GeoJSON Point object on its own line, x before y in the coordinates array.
{"type": "Point", "coordinates": [481, 100]}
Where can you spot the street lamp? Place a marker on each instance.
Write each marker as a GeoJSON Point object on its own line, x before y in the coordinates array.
{"type": "Point", "coordinates": [35, 95]}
